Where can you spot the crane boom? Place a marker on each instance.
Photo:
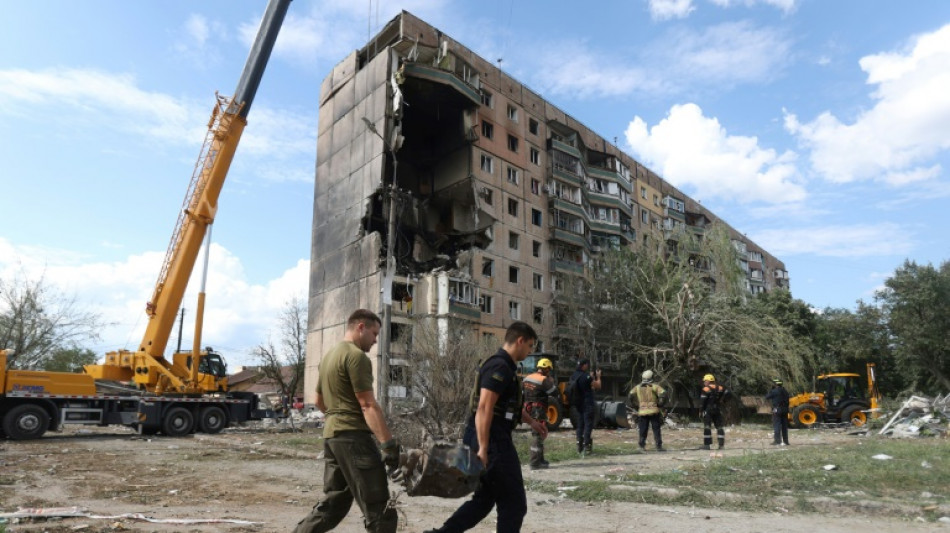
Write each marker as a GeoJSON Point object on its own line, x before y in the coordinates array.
{"type": "Point", "coordinates": [147, 366]}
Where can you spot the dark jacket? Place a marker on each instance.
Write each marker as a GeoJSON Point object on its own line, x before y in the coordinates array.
{"type": "Point", "coordinates": [779, 398]}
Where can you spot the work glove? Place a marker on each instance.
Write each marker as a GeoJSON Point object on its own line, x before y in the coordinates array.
{"type": "Point", "coordinates": [391, 450]}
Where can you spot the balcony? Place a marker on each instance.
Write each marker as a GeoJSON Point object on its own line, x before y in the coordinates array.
{"type": "Point", "coordinates": [562, 234]}
{"type": "Point", "coordinates": [444, 77]}
{"type": "Point", "coordinates": [568, 267]}
{"type": "Point", "coordinates": [568, 206]}
{"type": "Point", "coordinates": [564, 147]}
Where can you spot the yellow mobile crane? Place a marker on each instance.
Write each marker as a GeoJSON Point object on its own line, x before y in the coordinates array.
{"type": "Point", "coordinates": [190, 390]}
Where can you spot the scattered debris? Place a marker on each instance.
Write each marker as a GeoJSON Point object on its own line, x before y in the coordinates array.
{"type": "Point", "coordinates": [882, 457]}
{"type": "Point", "coordinates": [830, 467]}
{"type": "Point", "coordinates": [73, 512]}
{"type": "Point", "coordinates": [920, 416]}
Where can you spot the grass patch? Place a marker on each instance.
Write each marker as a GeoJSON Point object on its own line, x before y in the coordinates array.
{"type": "Point", "coordinates": [918, 474]}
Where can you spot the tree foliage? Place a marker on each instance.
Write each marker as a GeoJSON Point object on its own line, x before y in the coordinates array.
{"type": "Point", "coordinates": [915, 302]}
{"type": "Point", "coordinates": [290, 351]}
{"type": "Point", "coordinates": [40, 323]}
{"type": "Point", "coordinates": [443, 359]}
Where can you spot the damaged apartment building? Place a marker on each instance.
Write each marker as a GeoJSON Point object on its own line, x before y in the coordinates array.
{"type": "Point", "coordinates": [481, 196]}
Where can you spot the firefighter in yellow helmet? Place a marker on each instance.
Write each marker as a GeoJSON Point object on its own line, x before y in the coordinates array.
{"type": "Point", "coordinates": [538, 387]}
{"type": "Point", "coordinates": [649, 399]}
{"type": "Point", "coordinates": [710, 399]}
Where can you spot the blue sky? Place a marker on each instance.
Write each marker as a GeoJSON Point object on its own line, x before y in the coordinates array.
{"type": "Point", "coordinates": [819, 129]}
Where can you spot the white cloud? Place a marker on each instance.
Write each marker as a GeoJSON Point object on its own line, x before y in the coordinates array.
{"type": "Point", "coordinates": [198, 29]}
{"type": "Point", "coordinates": [239, 315]}
{"type": "Point", "coordinates": [681, 60]}
{"type": "Point", "coordinates": [670, 9]}
{"type": "Point", "coordinates": [785, 5]}
{"type": "Point", "coordinates": [859, 240]}
{"type": "Point", "coordinates": [695, 152]}
{"type": "Point", "coordinates": [896, 140]}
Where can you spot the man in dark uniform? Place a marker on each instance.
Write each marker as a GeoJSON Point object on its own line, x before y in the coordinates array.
{"type": "Point", "coordinates": [497, 408]}
{"type": "Point", "coordinates": [709, 398]}
{"type": "Point", "coordinates": [779, 398]}
{"type": "Point", "coordinates": [538, 387]}
{"type": "Point", "coordinates": [353, 467]}
{"type": "Point", "coordinates": [583, 386]}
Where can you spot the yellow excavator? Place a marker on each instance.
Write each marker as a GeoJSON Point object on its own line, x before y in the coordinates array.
{"type": "Point", "coordinates": [143, 388]}
{"type": "Point", "coordinates": [839, 398]}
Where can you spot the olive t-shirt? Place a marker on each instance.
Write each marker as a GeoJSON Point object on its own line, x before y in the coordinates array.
{"type": "Point", "coordinates": [344, 371]}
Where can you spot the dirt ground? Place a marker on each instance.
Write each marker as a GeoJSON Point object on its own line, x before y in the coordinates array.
{"type": "Point", "coordinates": [242, 474]}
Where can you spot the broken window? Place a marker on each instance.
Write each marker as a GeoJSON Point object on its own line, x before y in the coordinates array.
{"type": "Point", "coordinates": [487, 99]}
{"type": "Point", "coordinates": [535, 156]}
{"type": "Point", "coordinates": [536, 248]}
{"type": "Point", "coordinates": [488, 196]}
{"type": "Point", "coordinates": [513, 207]}
{"type": "Point", "coordinates": [644, 216]}
{"type": "Point", "coordinates": [512, 240]}
{"type": "Point", "coordinates": [513, 175]}
{"type": "Point", "coordinates": [488, 268]}
{"type": "Point", "coordinates": [487, 163]}
{"type": "Point", "coordinates": [513, 274]}
{"type": "Point", "coordinates": [485, 304]}
{"type": "Point", "coordinates": [538, 315]}
{"type": "Point", "coordinates": [536, 217]}
{"type": "Point", "coordinates": [643, 193]}
{"type": "Point", "coordinates": [488, 130]}
{"type": "Point", "coordinates": [512, 143]}
{"type": "Point", "coordinates": [514, 310]}
{"type": "Point", "coordinates": [512, 113]}
{"type": "Point", "coordinates": [532, 126]}
{"type": "Point", "coordinates": [535, 186]}
{"type": "Point", "coordinates": [537, 282]}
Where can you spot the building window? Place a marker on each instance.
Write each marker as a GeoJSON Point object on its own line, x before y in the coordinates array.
{"type": "Point", "coordinates": [537, 282]}
{"type": "Point", "coordinates": [535, 186]}
{"type": "Point", "coordinates": [512, 143]}
{"type": "Point", "coordinates": [513, 175]}
{"type": "Point", "coordinates": [513, 274]}
{"type": "Point", "coordinates": [535, 156]}
{"type": "Point", "coordinates": [643, 193]}
{"type": "Point", "coordinates": [532, 126]}
{"type": "Point", "coordinates": [512, 113]}
{"type": "Point", "coordinates": [656, 200]}
{"type": "Point", "coordinates": [514, 310]}
{"type": "Point", "coordinates": [487, 163]}
{"type": "Point", "coordinates": [538, 315]}
{"type": "Point", "coordinates": [536, 217]}
{"type": "Point", "coordinates": [512, 240]}
{"type": "Point", "coordinates": [513, 207]}
{"type": "Point", "coordinates": [485, 304]}
{"type": "Point", "coordinates": [644, 216]}
{"type": "Point", "coordinates": [487, 99]}
{"type": "Point", "coordinates": [489, 196]}
{"type": "Point", "coordinates": [488, 130]}
{"type": "Point", "coordinates": [536, 248]}
{"type": "Point", "coordinates": [488, 268]}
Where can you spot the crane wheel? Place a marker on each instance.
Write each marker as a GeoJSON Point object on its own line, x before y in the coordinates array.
{"type": "Point", "coordinates": [212, 419]}
{"type": "Point", "coordinates": [855, 415]}
{"type": "Point", "coordinates": [178, 422]}
{"type": "Point", "coordinates": [25, 422]}
{"type": "Point", "coordinates": [805, 416]}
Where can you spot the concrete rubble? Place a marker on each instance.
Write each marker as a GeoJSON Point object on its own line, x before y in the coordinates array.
{"type": "Point", "coordinates": [920, 416]}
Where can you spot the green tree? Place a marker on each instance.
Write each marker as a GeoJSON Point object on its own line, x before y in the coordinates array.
{"type": "Point", "coordinates": [916, 305]}
{"type": "Point", "coordinates": [70, 360]}
{"type": "Point", "coordinates": [37, 321]}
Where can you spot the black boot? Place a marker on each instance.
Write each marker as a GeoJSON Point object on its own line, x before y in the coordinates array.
{"type": "Point", "coordinates": [580, 447]}
{"type": "Point", "coordinates": [588, 447]}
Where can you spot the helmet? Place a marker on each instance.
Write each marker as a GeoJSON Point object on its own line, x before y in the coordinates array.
{"type": "Point", "coordinates": [777, 381]}
{"type": "Point", "coordinates": [545, 363]}
{"type": "Point", "coordinates": [647, 375]}
{"type": "Point", "coordinates": [709, 377]}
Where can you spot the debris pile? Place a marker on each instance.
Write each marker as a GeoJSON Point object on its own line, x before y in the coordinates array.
{"type": "Point", "coordinates": [920, 416]}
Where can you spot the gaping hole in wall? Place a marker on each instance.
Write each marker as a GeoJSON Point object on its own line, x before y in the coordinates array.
{"type": "Point", "coordinates": [437, 212]}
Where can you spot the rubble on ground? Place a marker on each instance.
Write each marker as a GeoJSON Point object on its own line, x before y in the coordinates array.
{"type": "Point", "coordinates": [920, 416]}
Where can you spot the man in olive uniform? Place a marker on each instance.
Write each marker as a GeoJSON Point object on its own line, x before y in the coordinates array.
{"type": "Point", "coordinates": [497, 408]}
{"type": "Point", "coordinates": [649, 399]}
{"type": "Point", "coordinates": [710, 398]}
{"type": "Point", "coordinates": [538, 387]}
{"type": "Point", "coordinates": [353, 466]}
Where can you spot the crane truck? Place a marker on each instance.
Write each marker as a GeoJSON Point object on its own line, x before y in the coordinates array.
{"type": "Point", "coordinates": [142, 388]}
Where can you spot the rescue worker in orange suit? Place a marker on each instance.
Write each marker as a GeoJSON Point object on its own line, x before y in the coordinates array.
{"type": "Point", "coordinates": [538, 387]}
{"type": "Point", "coordinates": [710, 400]}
